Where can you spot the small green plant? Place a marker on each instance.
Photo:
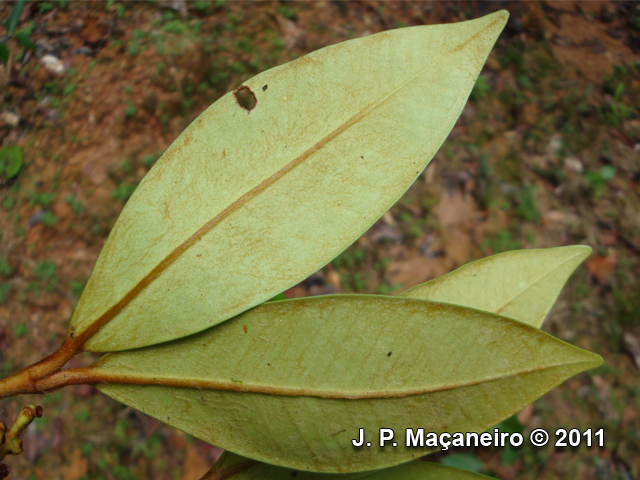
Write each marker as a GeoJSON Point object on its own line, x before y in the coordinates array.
{"type": "Point", "coordinates": [527, 209]}
{"type": "Point", "coordinates": [118, 7]}
{"type": "Point", "coordinates": [5, 288]}
{"type": "Point", "coordinates": [175, 26]}
{"type": "Point", "coordinates": [502, 241]}
{"type": "Point", "coordinates": [69, 89]}
{"type": "Point", "coordinates": [123, 192]}
{"type": "Point", "coordinates": [43, 199]}
{"type": "Point", "coordinates": [12, 41]}
{"type": "Point", "coordinates": [5, 268]}
{"type": "Point", "coordinates": [287, 11]}
{"type": "Point", "coordinates": [481, 89]}
{"type": "Point", "coordinates": [10, 162]}
{"type": "Point", "coordinates": [44, 7]}
{"type": "Point", "coordinates": [134, 46]}
{"type": "Point", "coordinates": [46, 270]}
{"type": "Point", "coordinates": [76, 288]}
{"type": "Point", "coordinates": [185, 298]}
{"type": "Point", "coordinates": [48, 219]}
{"type": "Point", "coordinates": [149, 160]}
{"type": "Point", "coordinates": [597, 180]}
{"type": "Point", "coordinates": [130, 111]}
{"type": "Point", "coordinates": [75, 205]}
{"type": "Point", "coordinates": [20, 330]}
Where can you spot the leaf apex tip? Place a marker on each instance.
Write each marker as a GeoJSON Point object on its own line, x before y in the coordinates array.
{"type": "Point", "coordinates": [496, 22]}
{"type": "Point", "coordinates": [502, 15]}
{"type": "Point", "coordinates": [582, 252]}
{"type": "Point", "coordinates": [592, 360]}
{"type": "Point", "coordinates": [579, 251]}
{"type": "Point", "coordinates": [585, 249]}
{"type": "Point", "coordinates": [598, 361]}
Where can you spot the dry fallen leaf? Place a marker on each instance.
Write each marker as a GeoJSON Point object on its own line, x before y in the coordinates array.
{"type": "Point", "coordinates": [76, 468]}
{"type": "Point", "coordinates": [601, 266]}
{"type": "Point", "coordinates": [632, 344]}
{"type": "Point", "coordinates": [194, 465]}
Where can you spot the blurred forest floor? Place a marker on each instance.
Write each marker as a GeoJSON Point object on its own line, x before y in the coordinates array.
{"type": "Point", "coordinates": [546, 153]}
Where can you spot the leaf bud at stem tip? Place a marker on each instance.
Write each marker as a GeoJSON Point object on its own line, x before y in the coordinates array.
{"type": "Point", "coordinates": [10, 442]}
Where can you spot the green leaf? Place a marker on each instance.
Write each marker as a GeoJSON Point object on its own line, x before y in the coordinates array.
{"type": "Point", "coordinates": [4, 53]}
{"type": "Point", "coordinates": [234, 467]}
{"type": "Point", "coordinates": [14, 17]}
{"type": "Point", "coordinates": [246, 204]}
{"type": "Point", "coordinates": [521, 284]}
{"type": "Point", "coordinates": [463, 461]}
{"type": "Point", "coordinates": [291, 382]}
{"type": "Point", "coordinates": [511, 425]}
{"type": "Point", "coordinates": [10, 160]}
{"type": "Point", "coordinates": [22, 37]}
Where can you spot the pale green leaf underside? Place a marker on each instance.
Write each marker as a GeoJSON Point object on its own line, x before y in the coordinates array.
{"type": "Point", "coordinates": [521, 284]}
{"type": "Point", "coordinates": [407, 471]}
{"type": "Point", "coordinates": [244, 205]}
{"type": "Point", "coordinates": [291, 382]}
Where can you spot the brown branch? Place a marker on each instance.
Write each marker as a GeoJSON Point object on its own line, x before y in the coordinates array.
{"type": "Point", "coordinates": [26, 380]}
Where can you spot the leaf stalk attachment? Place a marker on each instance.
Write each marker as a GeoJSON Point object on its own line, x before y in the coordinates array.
{"type": "Point", "coordinates": [26, 381]}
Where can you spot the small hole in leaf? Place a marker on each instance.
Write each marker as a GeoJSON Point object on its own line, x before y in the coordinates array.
{"type": "Point", "coordinates": [245, 98]}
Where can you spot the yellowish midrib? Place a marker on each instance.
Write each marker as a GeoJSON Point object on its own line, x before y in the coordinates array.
{"type": "Point", "coordinates": [106, 377]}
{"type": "Point", "coordinates": [530, 284]}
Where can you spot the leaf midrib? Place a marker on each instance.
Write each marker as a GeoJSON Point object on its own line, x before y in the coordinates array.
{"type": "Point", "coordinates": [89, 331]}
{"type": "Point", "coordinates": [107, 378]}
{"type": "Point", "coordinates": [525, 289]}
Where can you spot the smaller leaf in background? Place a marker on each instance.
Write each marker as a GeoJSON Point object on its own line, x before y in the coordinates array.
{"type": "Point", "coordinates": [14, 17]}
{"type": "Point", "coordinates": [280, 296]}
{"type": "Point", "coordinates": [234, 467]}
{"type": "Point", "coordinates": [463, 461]}
{"type": "Point", "coordinates": [520, 284]}
{"type": "Point", "coordinates": [10, 161]}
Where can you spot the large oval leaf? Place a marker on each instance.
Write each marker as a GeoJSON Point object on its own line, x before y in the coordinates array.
{"type": "Point", "coordinates": [235, 467]}
{"type": "Point", "coordinates": [291, 382]}
{"type": "Point", "coordinates": [245, 204]}
{"type": "Point", "coordinates": [521, 284]}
